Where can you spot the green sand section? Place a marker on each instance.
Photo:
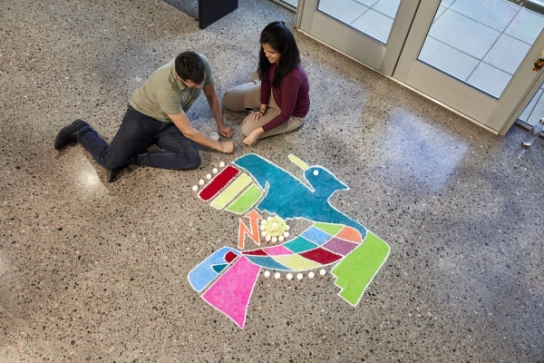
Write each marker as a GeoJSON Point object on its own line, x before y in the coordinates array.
{"type": "Point", "coordinates": [359, 267]}
{"type": "Point", "coordinates": [246, 200]}
{"type": "Point", "coordinates": [329, 228]}
{"type": "Point", "coordinates": [231, 191]}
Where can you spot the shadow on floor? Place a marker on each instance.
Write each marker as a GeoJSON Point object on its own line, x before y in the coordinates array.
{"type": "Point", "coordinates": [189, 7]}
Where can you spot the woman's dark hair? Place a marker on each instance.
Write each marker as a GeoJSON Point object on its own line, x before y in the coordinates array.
{"type": "Point", "coordinates": [280, 38]}
{"type": "Point", "coordinates": [190, 67]}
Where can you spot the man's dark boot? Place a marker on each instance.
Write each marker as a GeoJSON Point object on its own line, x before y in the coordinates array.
{"type": "Point", "coordinates": [68, 134]}
{"type": "Point", "coordinates": [112, 173]}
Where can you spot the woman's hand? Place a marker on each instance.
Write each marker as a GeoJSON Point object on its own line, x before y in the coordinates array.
{"type": "Point", "coordinates": [253, 136]}
{"type": "Point", "coordinates": [254, 116]}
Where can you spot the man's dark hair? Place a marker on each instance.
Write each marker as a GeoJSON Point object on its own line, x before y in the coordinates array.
{"type": "Point", "coordinates": [280, 38]}
{"type": "Point", "coordinates": [190, 67]}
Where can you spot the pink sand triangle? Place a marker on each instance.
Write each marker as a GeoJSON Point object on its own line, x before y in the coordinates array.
{"type": "Point", "coordinates": [278, 251]}
{"type": "Point", "coordinates": [231, 293]}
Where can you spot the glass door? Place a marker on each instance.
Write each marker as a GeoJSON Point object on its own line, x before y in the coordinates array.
{"type": "Point", "coordinates": [289, 4]}
{"type": "Point", "coordinates": [370, 31]}
{"type": "Point", "coordinates": [476, 56]}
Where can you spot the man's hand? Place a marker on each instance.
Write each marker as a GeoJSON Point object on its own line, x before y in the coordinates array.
{"type": "Point", "coordinates": [227, 147]}
{"type": "Point", "coordinates": [213, 101]}
{"type": "Point", "coordinates": [225, 131]}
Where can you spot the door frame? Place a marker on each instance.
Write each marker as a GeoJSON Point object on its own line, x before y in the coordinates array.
{"type": "Point", "coordinates": [386, 60]}
{"type": "Point", "coordinates": [523, 75]}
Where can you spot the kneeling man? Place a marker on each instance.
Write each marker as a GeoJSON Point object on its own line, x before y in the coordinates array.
{"type": "Point", "coordinates": [156, 114]}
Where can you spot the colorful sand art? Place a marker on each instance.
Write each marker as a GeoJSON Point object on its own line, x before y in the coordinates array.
{"type": "Point", "coordinates": [253, 186]}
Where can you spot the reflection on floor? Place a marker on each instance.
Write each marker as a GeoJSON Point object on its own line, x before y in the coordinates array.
{"type": "Point", "coordinates": [97, 272]}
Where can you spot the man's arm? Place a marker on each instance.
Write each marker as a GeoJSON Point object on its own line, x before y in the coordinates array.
{"type": "Point", "coordinates": [213, 101]}
{"type": "Point", "coordinates": [182, 123]}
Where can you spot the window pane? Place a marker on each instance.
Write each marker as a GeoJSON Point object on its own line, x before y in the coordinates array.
{"type": "Point", "coordinates": [481, 42]}
{"type": "Point", "coordinates": [371, 17]}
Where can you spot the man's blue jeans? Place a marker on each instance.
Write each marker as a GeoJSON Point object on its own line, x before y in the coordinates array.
{"type": "Point", "coordinates": [129, 144]}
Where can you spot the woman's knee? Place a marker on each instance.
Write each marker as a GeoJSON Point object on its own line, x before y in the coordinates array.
{"type": "Point", "coordinates": [245, 95]}
{"type": "Point", "coordinates": [231, 102]}
{"type": "Point", "coordinates": [248, 128]}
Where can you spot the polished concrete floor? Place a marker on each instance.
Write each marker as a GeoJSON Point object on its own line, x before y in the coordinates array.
{"type": "Point", "coordinates": [97, 272]}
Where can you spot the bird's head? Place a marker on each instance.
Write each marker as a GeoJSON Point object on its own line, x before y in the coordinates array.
{"type": "Point", "coordinates": [322, 181]}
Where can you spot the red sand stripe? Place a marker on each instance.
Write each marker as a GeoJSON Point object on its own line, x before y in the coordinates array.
{"type": "Point", "coordinates": [230, 256]}
{"type": "Point", "coordinates": [321, 256]}
{"type": "Point", "coordinates": [255, 253]}
{"type": "Point", "coordinates": [220, 180]}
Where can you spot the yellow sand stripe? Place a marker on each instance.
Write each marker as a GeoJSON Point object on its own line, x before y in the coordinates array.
{"type": "Point", "coordinates": [296, 262]}
{"type": "Point", "coordinates": [231, 191]}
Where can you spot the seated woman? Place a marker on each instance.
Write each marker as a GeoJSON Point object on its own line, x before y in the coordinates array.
{"type": "Point", "coordinates": [280, 100]}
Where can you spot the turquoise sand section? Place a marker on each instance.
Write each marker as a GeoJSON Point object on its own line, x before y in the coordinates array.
{"type": "Point", "coordinates": [267, 262]}
{"type": "Point", "coordinates": [359, 267]}
{"type": "Point", "coordinates": [300, 244]}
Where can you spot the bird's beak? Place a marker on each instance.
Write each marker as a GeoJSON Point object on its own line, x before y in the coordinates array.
{"type": "Point", "coordinates": [301, 164]}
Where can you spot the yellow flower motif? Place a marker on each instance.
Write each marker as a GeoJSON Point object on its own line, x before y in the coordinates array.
{"type": "Point", "coordinates": [274, 229]}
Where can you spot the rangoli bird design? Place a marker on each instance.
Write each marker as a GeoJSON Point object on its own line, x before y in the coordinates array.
{"type": "Point", "coordinates": [253, 186]}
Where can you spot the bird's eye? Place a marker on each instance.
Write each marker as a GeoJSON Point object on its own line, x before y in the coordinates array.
{"type": "Point", "coordinates": [316, 172]}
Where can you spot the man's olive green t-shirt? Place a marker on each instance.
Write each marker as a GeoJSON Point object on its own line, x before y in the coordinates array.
{"type": "Point", "coordinates": [163, 93]}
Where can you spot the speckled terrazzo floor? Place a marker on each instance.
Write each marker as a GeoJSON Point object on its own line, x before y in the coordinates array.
{"type": "Point", "coordinates": [96, 272]}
